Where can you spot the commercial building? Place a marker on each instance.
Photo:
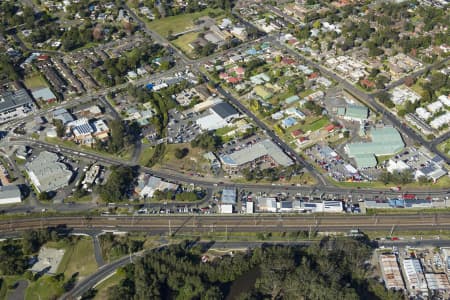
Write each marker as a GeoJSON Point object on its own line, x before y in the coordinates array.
{"type": "Point", "coordinates": [391, 272]}
{"type": "Point", "coordinates": [267, 204]}
{"type": "Point", "coordinates": [47, 173]}
{"type": "Point", "coordinates": [438, 282]}
{"type": "Point", "coordinates": [10, 194]}
{"type": "Point", "coordinates": [354, 113]}
{"type": "Point", "coordinates": [414, 276]}
{"type": "Point", "coordinates": [147, 185]}
{"type": "Point", "coordinates": [220, 115]}
{"type": "Point", "coordinates": [228, 196]}
{"type": "Point", "coordinates": [446, 257]}
{"type": "Point", "coordinates": [226, 208]}
{"type": "Point", "coordinates": [15, 104]}
{"type": "Point", "coordinates": [250, 208]}
{"type": "Point", "coordinates": [265, 150]}
{"type": "Point", "coordinates": [384, 141]}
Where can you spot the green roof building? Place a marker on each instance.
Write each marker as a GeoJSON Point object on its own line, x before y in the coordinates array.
{"type": "Point", "coordinates": [365, 161]}
{"type": "Point", "coordinates": [356, 112]}
{"type": "Point", "coordinates": [384, 141]}
{"type": "Point", "coordinates": [292, 99]}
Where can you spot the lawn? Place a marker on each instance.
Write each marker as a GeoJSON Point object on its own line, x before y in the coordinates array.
{"type": "Point", "coordinates": [79, 258]}
{"type": "Point", "coordinates": [183, 43]}
{"type": "Point", "coordinates": [102, 288]}
{"type": "Point", "coordinates": [192, 162]}
{"type": "Point", "coordinates": [146, 155]}
{"type": "Point", "coordinates": [445, 147]}
{"type": "Point", "coordinates": [315, 125]}
{"type": "Point", "coordinates": [35, 82]}
{"type": "Point", "coordinates": [223, 131]}
{"type": "Point", "coordinates": [45, 288]}
{"type": "Point", "coordinates": [179, 23]}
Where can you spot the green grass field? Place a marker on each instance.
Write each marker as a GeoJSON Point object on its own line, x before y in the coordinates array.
{"type": "Point", "coordinates": [445, 147]}
{"type": "Point", "coordinates": [183, 43]}
{"type": "Point", "coordinates": [315, 125]}
{"type": "Point", "coordinates": [146, 155]}
{"type": "Point", "coordinates": [179, 23]}
{"type": "Point", "coordinates": [35, 82]}
{"type": "Point", "coordinates": [79, 258]}
{"type": "Point", "coordinates": [45, 288]}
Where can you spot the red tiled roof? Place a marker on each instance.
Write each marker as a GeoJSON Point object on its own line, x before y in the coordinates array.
{"type": "Point", "coordinates": [296, 133]}
{"type": "Point", "coordinates": [313, 75]}
{"type": "Point", "coordinates": [233, 80]}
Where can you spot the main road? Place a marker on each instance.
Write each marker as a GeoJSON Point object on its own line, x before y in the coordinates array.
{"type": "Point", "coordinates": [211, 182]}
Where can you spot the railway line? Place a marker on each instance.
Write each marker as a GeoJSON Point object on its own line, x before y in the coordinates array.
{"type": "Point", "coordinates": [173, 224]}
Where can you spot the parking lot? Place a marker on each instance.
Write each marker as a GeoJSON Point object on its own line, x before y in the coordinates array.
{"type": "Point", "coordinates": [182, 129]}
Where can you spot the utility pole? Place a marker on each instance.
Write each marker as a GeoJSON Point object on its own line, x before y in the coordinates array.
{"type": "Point", "coordinates": [392, 229]}
{"type": "Point", "coordinates": [170, 228]}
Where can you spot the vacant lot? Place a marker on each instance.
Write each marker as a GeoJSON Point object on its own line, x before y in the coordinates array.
{"type": "Point", "coordinates": [183, 43]}
{"type": "Point", "coordinates": [180, 23]}
{"type": "Point", "coordinates": [79, 258]}
{"type": "Point", "coordinates": [35, 82]}
{"type": "Point", "coordinates": [315, 125]}
{"type": "Point", "coordinates": [46, 287]}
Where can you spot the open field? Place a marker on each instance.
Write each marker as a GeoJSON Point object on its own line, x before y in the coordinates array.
{"type": "Point", "coordinates": [45, 288]}
{"type": "Point", "coordinates": [315, 125]}
{"type": "Point", "coordinates": [181, 22]}
{"type": "Point", "coordinates": [35, 82]}
{"type": "Point", "coordinates": [183, 43]}
{"type": "Point", "coordinates": [79, 258]}
{"type": "Point", "coordinates": [193, 162]}
{"type": "Point", "coordinates": [146, 155]}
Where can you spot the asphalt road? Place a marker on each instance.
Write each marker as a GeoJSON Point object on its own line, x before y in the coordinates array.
{"type": "Point", "coordinates": [98, 251]}
{"type": "Point", "coordinates": [210, 182]}
{"type": "Point", "coordinates": [19, 292]}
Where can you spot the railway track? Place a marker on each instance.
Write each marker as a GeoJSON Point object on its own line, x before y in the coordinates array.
{"type": "Point", "coordinates": [196, 223]}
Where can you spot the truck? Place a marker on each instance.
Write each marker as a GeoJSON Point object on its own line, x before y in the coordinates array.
{"type": "Point", "coordinates": [395, 188]}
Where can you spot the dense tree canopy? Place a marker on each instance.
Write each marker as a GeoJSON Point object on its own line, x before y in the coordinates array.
{"type": "Point", "coordinates": [119, 184]}
{"type": "Point", "coordinates": [331, 269]}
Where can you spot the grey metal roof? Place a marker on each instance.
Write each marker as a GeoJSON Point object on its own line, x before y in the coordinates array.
{"type": "Point", "coordinates": [9, 191]}
{"type": "Point", "coordinates": [14, 99]}
{"type": "Point", "coordinates": [228, 196]}
{"type": "Point", "coordinates": [46, 173]}
{"type": "Point", "coordinates": [224, 110]}
{"type": "Point", "coordinates": [256, 151]}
